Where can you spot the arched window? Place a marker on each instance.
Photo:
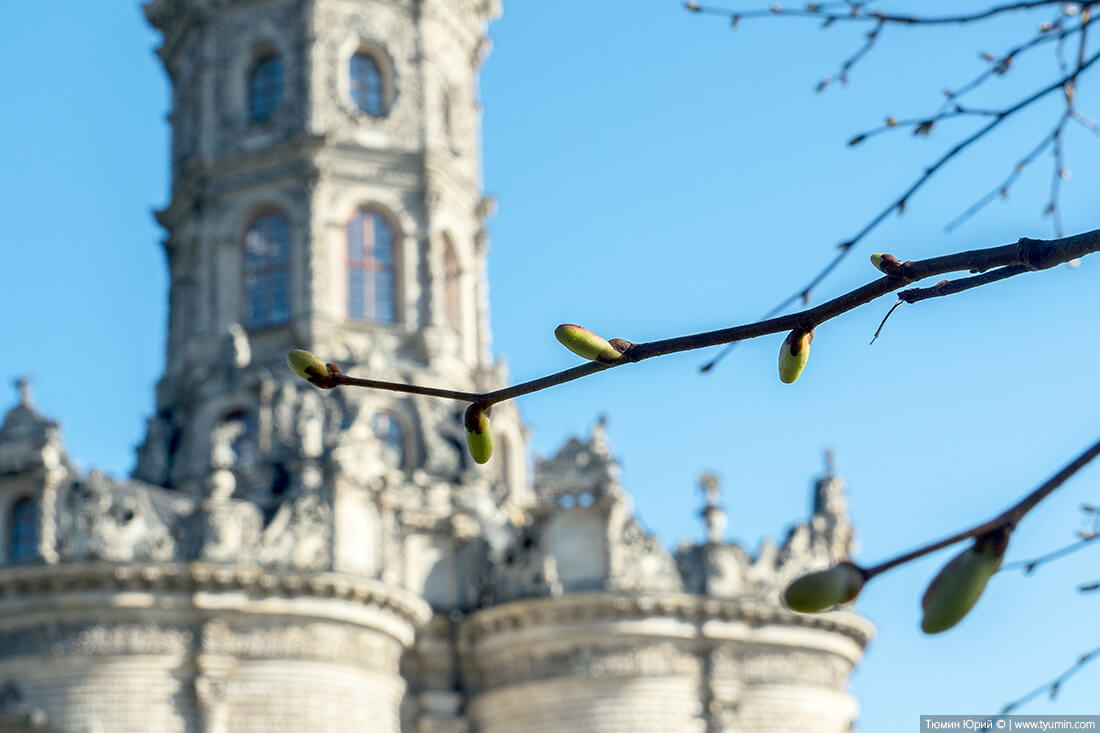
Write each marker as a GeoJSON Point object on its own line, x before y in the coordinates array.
{"type": "Point", "coordinates": [371, 280]}
{"type": "Point", "coordinates": [23, 530]}
{"type": "Point", "coordinates": [267, 271]}
{"type": "Point", "coordinates": [391, 434]}
{"type": "Point", "coordinates": [451, 275]}
{"type": "Point", "coordinates": [367, 86]}
{"type": "Point", "coordinates": [265, 88]}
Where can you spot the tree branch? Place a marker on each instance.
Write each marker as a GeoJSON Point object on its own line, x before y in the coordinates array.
{"type": "Point", "coordinates": [858, 15]}
{"type": "Point", "coordinates": [1026, 255]}
{"type": "Point", "coordinates": [1055, 684]}
{"type": "Point", "coordinates": [1007, 519]}
{"type": "Point", "coordinates": [1066, 83]}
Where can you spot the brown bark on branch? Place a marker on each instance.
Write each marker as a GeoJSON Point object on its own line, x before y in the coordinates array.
{"type": "Point", "coordinates": [1023, 256]}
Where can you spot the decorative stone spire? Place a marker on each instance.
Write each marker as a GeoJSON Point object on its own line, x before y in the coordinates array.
{"type": "Point", "coordinates": [23, 386]}
{"type": "Point", "coordinates": [714, 516]}
{"type": "Point", "coordinates": [830, 523]}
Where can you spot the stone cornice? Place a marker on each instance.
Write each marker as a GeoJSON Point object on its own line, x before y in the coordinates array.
{"type": "Point", "coordinates": [26, 582]}
{"type": "Point", "coordinates": [699, 610]}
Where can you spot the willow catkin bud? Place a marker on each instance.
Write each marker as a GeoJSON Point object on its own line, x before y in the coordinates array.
{"type": "Point", "coordinates": [959, 585]}
{"type": "Point", "coordinates": [824, 589]}
{"type": "Point", "coordinates": [479, 439]}
{"type": "Point", "coordinates": [793, 355]}
{"type": "Point", "coordinates": [586, 344]}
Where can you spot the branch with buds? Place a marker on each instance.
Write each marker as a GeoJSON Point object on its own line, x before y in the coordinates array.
{"type": "Point", "coordinates": [995, 263]}
{"type": "Point", "coordinates": [1069, 25]}
{"type": "Point", "coordinates": [958, 586]}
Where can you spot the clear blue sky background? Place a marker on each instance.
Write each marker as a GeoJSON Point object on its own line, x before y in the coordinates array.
{"type": "Point", "coordinates": [659, 173]}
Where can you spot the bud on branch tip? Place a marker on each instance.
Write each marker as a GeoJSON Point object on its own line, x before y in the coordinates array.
{"type": "Point", "coordinates": [588, 345]}
{"type": "Point", "coordinates": [309, 367]}
{"type": "Point", "coordinates": [824, 589]}
{"type": "Point", "coordinates": [793, 355]}
{"type": "Point", "coordinates": [479, 439]}
{"type": "Point", "coordinates": [959, 585]}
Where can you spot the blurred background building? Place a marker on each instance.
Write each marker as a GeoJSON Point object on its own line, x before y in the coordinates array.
{"type": "Point", "coordinates": [283, 558]}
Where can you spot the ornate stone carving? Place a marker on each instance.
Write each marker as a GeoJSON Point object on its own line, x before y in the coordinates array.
{"type": "Point", "coordinates": [300, 535]}
{"type": "Point", "coordinates": [386, 31]}
{"type": "Point", "coordinates": [28, 441]}
{"type": "Point", "coordinates": [230, 530]}
{"type": "Point", "coordinates": [91, 638]}
{"type": "Point", "coordinates": [99, 518]}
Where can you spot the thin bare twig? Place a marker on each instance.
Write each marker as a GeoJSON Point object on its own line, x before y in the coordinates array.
{"type": "Point", "coordinates": [1067, 81]}
{"type": "Point", "coordinates": [1028, 566]}
{"type": "Point", "coordinates": [1055, 685]}
{"type": "Point", "coordinates": [859, 14]}
{"type": "Point", "coordinates": [1007, 519]}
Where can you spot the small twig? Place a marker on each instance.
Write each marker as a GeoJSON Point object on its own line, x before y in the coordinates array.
{"type": "Point", "coordinates": [899, 203]}
{"type": "Point", "coordinates": [1002, 189]}
{"type": "Point", "coordinates": [1028, 566]}
{"type": "Point", "coordinates": [950, 287]}
{"type": "Point", "coordinates": [1007, 519]}
{"type": "Point", "coordinates": [865, 16]}
{"type": "Point", "coordinates": [889, 313]}
{"type": "Point", "coordinates": [1052, 688]}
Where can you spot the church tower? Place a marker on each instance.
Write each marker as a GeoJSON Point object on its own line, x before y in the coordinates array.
{"type": "Point", "coordinates": [289, 559]}
{"type": "Point", "coordinates": [326, 195]}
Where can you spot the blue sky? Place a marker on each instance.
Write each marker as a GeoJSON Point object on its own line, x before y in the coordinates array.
{"type": "Point", "coordinates": [659, 173]}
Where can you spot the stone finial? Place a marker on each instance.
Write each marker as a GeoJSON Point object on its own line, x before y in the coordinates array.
{"type": "Point", "coordinates": [23, 387]}
{"type": "Point", "coordinates": [714, 516]}
{"type": "Point", "coordinates": [599, 441]}
{"type": "Point", "coordinates": [830, 522]}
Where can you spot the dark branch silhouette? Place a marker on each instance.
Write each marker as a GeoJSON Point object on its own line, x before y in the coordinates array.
{"type": "Point", "coordinates": [1071, 22]}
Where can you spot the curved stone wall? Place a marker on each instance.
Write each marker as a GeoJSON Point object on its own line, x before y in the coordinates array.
{"type": "Point", "coordinates": [98, 647]}
{"type": "Point", "coordinates": [659, 662]}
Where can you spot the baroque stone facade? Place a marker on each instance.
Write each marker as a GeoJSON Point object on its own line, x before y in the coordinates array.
{"type": "Point", "coordinates": [283, 558]}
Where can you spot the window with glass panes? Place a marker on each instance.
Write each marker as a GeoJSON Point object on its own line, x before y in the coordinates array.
{"type": "Point", "coordinates": [371, 271]}
{"type": "Point", "coordinates": [267, 271]}
{"type": "Point", "coordinates": [265, 88]}
{"type": "Point", "coordinates": [23, 530]}
{"type": "Point", "coordinates": [391, 434]}
{"type": "Point", "coordinates": [367, 90]}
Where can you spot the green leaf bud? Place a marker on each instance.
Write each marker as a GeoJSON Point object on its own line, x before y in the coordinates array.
{"type": "Point", "coordinates": [479, 439]}
{"type": "Point", "coordinates": [793, 355]}
{"type": "Point", "coordinates": [306, 365]}
{"type": "Point", "coordinates": [588, 345]}
{"type": "Point", "coordinates": [959, 585]}
{"type": "Point", "coordinates": [824, 589]}
{"type": "Point", "coordinates": [885, 263]}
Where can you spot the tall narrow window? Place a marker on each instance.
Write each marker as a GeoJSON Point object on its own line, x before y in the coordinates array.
{"type": "Point", "coordinates": [391, 435]}
{"type": "Point", "coordinates": [371, 291]}
{"type": "Point", "coordinates": [265, 88]}
{"type": "Point", "coordinates": [450, 283]}
{"type": "Point", "coordinates": [367, 89]}
{"type": "Point", "coordinates": [23, 530]}
{"type": "Point", "coordinates": [267, 271]}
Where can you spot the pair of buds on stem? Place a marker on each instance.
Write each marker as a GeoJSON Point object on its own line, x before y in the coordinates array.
{"type": "Point", "coordinates": [949, 597]}
{"type": "Point", "coordinates": [795, 351]}
{"type": "Point", "coordinates": [793, 354]}
{"type": "Point", "coordinates": [582, 342]}
{"type": "Point", "coordinates": [311, 368]}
